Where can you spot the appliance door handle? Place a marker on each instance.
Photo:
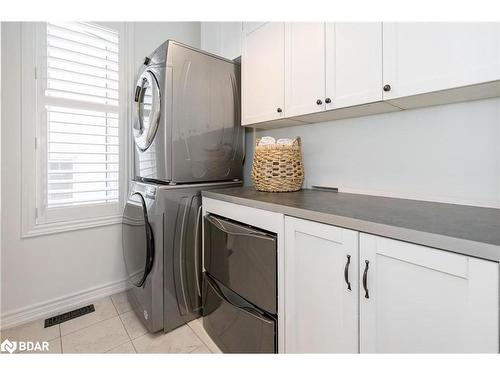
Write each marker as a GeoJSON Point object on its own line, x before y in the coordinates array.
{"type": "Point", "coordinates": [139, 98]}
{"type": "Point", "coordinates": [149, 242]}
{"type": "Point", "coordinates": [196, 252]}
{"type": "Point", "coordinates": [246, 309]}
{"type": "Point", "coordinates": [365, 276]}
{"type": "Point", "coordinates": [346, 272]}
{"type": "Point", "coordinates": [137, 93]}
{"type": "Point", "coordinates": [244, 231]}
{"type": "Point", "coordinates": [181, 255]}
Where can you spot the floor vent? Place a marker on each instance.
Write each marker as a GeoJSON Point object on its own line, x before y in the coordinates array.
{"type": "Point", "coordinates": [61, 318]}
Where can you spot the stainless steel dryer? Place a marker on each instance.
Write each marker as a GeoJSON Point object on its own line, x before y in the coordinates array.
{"type": "Point", "coordinates": [187, 123]}
{"type": "Point", "coordinates": [161, 232]}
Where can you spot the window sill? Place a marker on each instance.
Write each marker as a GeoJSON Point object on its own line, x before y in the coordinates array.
{"type": "Point", "coordinates": [68, 226]}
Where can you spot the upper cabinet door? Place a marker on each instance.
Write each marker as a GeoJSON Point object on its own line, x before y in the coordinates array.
{"type": "Point", "coordinates": [321, 288]}
{"type": "Point", "coordinates": [353, 64]}
{"type": "Point", "coordinates": [415, 299]}
{"type": "Point", "coordinates": [304, 68]}
{"type": "Point", "coordinates": [427, 57]}
{"type": "Point", "coordinates": [262, 72]}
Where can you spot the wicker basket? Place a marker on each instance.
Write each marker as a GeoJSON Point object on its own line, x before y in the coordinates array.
{"type": "Point", "coordinates": [277, 168]}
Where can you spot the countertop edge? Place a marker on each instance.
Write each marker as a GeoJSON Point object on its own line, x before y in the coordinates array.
{"type": "Point", "coordinates": [452, 244]}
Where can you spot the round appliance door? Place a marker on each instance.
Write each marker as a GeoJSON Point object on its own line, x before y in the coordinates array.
{"type": "Point", "coordinates": [138, 241]}
{"type": "Point", "coordinates": [147, 102]}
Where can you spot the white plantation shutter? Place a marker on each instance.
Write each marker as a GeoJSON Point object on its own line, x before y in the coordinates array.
{"type": "Point", "coordinates": [80, 129]}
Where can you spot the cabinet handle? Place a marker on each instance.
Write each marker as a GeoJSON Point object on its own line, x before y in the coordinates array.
{"type": "Point", "coordinates": [319, 102]}
{"type": "Point", "coordinates": [346, 272]}
{"type": "Point", "coordinates": [328, 100]}
{"type": "Point", "coordinates": [365, 274]}
{"type": "Point", "coordinates": [279, 110]}
{"type": "Point", "coordinates": [387, 88]}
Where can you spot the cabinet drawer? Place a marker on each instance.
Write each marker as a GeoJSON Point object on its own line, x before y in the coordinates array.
{"type": "Point", "coordinates": [243, 259]}
{"type": "Point", "coordinates": [233, 324]}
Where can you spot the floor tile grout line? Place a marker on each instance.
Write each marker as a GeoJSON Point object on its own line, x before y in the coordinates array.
{"type": "Point", "coordinates": [116, 308]}
{"type": "Point", "coordinates": [202, 341]}
{"type": "Point", "coordinates": [91, 325]}
{"type": "Point", "coordinates": [114, 316]}
{"type": "Point", "coordinates": [138, 337]}
{"type": "Point", "coordinates": [135, 349]}
{"type": "Point", "coordinates": [114, 347]}
{"type": "Point", "coordinates": [113, 303]}
{"type": "Point", "coordinates": [124, 327]}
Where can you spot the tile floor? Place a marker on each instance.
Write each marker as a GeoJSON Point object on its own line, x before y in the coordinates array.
{"type": "Point", "coordinates": [113, 328]}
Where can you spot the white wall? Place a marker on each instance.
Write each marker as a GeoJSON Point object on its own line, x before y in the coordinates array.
{"type": "Point", "coordinates": [149, 35]}
{"type": "Point", "coordinates": [37, 270]}
{"type": "Point", "coordinates": [222, 38]}
{"type": "Point", "coordinates": [447, 153]}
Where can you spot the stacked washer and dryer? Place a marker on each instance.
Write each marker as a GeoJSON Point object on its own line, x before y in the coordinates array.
{"type": "Point", "coordinates": [188, 138]}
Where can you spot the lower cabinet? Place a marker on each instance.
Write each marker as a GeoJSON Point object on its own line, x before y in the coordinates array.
{"type": "Point", "coordinates": [415, 299]}
{"type": "Point", "coordinates": [321, 288]}
{"type": "Point", "coordinates": [411, 298]}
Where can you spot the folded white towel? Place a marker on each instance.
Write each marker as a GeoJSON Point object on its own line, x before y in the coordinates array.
{"type": "Point", "coordinates": [264, 141]}
{"type": "Point", "coordinates": [284, 141]}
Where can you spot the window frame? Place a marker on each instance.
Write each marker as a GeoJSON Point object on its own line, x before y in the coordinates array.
{"type": "Point", "coordinates": [36, 218]}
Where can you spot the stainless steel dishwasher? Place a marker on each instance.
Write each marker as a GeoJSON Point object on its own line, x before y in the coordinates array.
{"type": "Point", "coordinates": [239, 286]}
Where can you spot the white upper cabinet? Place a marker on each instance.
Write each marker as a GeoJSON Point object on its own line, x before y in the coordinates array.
{"type": "Point", "coordinates": [426, 57]}
{"type": "Point", "coordinates": [353, 64]}
{"type": "Point", "coordinates": [317, 72]}
{"type": "Point", "coordinates": [304, 68]}
{"type": "Point", "coordinates": [321, 288]}
{"type": "Point", "coordinates": [415, 299]}
{"type": "Point", "coordinates": [263, 73]}
{"type": "Point", "coordinates": [222, 38]}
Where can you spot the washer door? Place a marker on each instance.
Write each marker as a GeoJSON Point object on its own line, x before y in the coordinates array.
{"type": "Point", "coordinates": [138, 241]}
{"type": "Point", "coordinates": [147, 100]}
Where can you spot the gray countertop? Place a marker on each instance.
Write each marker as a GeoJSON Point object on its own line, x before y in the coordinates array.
{"type": "Point", "coordinates": [467, 230]}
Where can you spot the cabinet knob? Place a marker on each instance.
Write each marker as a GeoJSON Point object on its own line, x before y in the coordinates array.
{"type": "Point", "coordinates": [328, 100]}
{"type": "Point", "coordinates": [279, 110]}
{"type": "Point", "coordinates": [387, 88]}
{"type": "Point", "coordinates": [319, 102]}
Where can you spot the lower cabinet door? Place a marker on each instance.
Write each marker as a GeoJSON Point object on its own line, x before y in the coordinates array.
{"type": "Point", "coordinates": [321, 288]}
{"type": "Point", "coordinates": [415, 299]}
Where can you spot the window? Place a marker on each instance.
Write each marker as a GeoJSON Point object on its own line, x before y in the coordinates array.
{"type": "Point", "coordinates": [78, 153]}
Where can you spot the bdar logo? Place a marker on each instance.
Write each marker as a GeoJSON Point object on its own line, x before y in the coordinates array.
{"type": "Point", "coordinates": [8, 346]}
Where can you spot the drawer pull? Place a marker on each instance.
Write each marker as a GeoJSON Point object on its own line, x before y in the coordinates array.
{"type": "Point", "coordinates": [346, 272]}
{"type": "Point", "coordinates": [365, 275]}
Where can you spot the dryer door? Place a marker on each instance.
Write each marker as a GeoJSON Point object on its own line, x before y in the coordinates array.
{"type": "Point", "coordinates": [147, 103]}
{"type": "Point", "coordinates": [138, 242]}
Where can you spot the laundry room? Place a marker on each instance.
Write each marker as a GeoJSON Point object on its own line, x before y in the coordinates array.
{"type": "Point", "coordinates": [208, 184]}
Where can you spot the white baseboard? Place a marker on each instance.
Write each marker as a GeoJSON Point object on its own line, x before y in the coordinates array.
{"type": "Point", "coordinates": [59, 305]}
